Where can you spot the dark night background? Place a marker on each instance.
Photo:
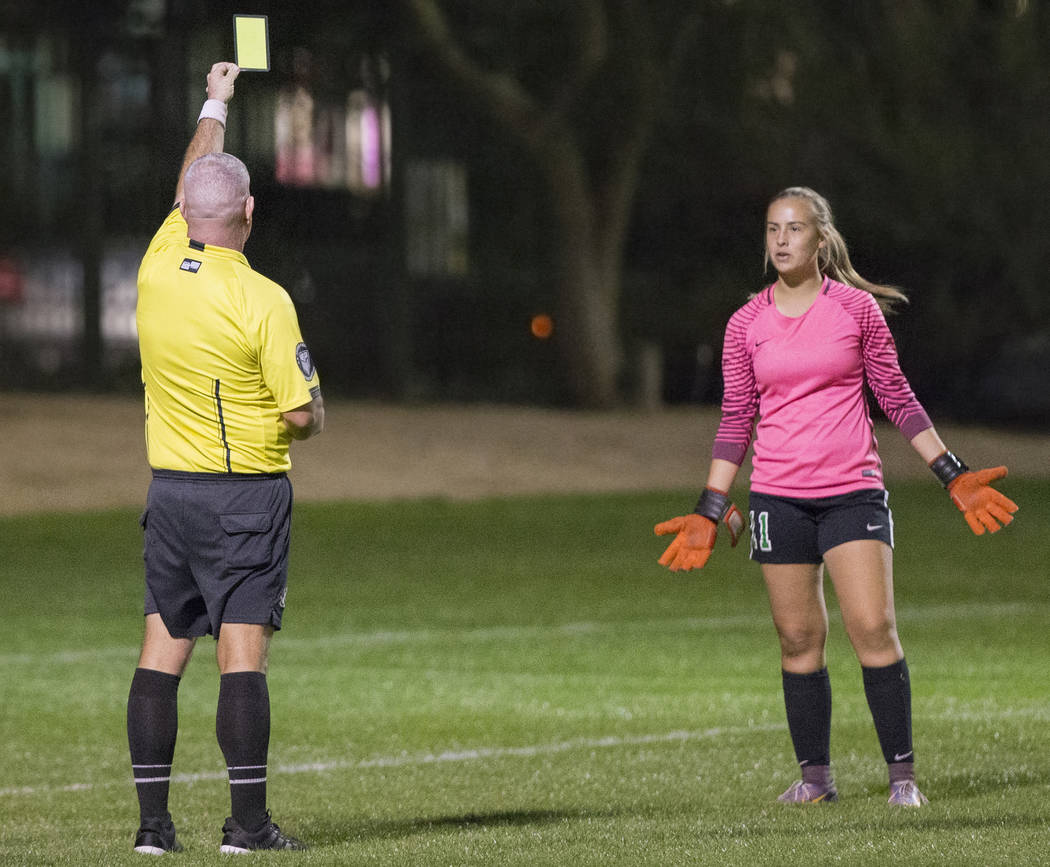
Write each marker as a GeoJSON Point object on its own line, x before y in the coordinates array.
{"type": "Point", "coordinates": [926, 124]}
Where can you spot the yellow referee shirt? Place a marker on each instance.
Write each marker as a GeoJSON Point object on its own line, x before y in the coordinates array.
{"type": "Point", "coordinates": [222, 358]}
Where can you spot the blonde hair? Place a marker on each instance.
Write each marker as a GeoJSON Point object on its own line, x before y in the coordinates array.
{"type": "Point", "coordinates": [833, 258]}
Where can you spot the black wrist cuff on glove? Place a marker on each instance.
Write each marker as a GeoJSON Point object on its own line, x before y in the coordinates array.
{"type": "Point", "coordinates": [947, 468]}
{"type": "Point", "coordinates": [712, 505]}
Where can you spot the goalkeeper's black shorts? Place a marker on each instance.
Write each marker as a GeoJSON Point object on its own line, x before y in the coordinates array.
{"type": "Point", "coordinates": [791, 530]}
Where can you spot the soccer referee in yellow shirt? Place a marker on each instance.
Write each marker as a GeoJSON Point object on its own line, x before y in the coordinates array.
{"type": "Point", "coordinates": [229, 383]}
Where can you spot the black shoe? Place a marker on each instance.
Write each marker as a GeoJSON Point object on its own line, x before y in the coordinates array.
{"type": "Point", "coordinates": [237, 841]}
{"type": "Point", "coordinates": [156, 836]}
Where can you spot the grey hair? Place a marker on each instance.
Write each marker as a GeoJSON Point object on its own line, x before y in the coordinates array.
{"type": "Point", "coordinates": [833, 257]}
{"type": "Point", "coordinates": [216, 186]}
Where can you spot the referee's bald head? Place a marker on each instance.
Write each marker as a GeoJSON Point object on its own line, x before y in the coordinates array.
{"type": "Point", "coordinates": [215, 187]}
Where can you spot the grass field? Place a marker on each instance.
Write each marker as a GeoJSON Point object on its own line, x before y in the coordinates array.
{"type": "Point", "coordinates": [516, 681]}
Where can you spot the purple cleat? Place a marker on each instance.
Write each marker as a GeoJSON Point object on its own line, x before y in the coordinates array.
{"type": "Point", "coordinates": [801, 792]}
{"type": "Point", "coordinates": [904, 793]}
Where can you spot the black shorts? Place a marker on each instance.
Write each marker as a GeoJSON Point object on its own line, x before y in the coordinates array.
{"type": "Point", "coordinates": [790, 530]}
{"type": "Point", "coordinates": [216, 550]}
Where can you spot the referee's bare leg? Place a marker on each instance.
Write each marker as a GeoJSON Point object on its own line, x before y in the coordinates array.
{"type": "Point", "coordinates": [161, 652]}
{"type": "Point", "coordinates": [241, 647]}
{"type": "Point", "coordinates": [242, 716]}
{"type": "Point", "coordinates": [242, 721]}
{"type": "Point", "coordinates": [152, 723]}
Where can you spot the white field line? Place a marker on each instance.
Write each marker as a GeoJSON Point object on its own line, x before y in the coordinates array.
{"type": "Point", "coordinates": [430, 758]}
{"type": "Point", "coordinates": [923, 614]}
{"type": "Point", "coordinates": [401, 760]}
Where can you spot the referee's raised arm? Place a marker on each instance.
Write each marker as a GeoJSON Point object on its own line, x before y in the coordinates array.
{"type": "Point", "coordinates": [210, 135]}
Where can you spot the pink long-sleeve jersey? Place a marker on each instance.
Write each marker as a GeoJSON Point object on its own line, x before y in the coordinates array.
{"type": "Point", "coordinates": [803, 378]}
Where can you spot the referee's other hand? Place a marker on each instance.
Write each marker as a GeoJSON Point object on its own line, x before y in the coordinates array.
{"type": "Point", "coordinates": [220, 80]}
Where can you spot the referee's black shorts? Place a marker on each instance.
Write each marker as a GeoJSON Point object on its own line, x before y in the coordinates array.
{"type": "Point", "coordinates": [791, 530]}
{"type": "Point", "coordinates": [216, 550]}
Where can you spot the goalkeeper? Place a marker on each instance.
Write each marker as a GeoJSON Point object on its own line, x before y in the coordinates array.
{"type": "Point", "coordinates": [796, 357]}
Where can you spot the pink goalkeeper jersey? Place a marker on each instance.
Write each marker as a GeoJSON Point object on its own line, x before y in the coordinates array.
{"type": "Point", "coordinates": [803, 378]}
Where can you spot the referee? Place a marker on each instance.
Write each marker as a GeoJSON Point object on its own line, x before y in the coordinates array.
{"type": "Point", "coordinates": [229, 384]}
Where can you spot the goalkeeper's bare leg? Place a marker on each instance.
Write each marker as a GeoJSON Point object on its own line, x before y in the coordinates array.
{"type": "Point", "coordinates": [800, 616]}
{"type": "Point", "coordinates": [862, 573]}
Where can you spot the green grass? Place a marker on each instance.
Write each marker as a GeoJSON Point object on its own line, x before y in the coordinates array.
{"type": "Point", "coordinates": [517, 682]}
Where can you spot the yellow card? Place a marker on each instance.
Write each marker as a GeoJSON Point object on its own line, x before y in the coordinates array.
{"type": "Point", "coordinates": [251, 42]}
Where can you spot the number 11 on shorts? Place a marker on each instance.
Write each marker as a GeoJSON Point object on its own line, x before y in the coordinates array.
{"type": "Point", "coordinates": [760, 532]}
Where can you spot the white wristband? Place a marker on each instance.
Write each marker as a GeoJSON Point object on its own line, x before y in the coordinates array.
{"type": "Point", "coordinates": [215, 109]}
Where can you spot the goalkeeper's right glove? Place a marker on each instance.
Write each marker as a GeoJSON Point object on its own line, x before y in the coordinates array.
{"type": "Point", "coordinates": [982, 506]}
{"type": "Point", "coordinates": [696, 533]}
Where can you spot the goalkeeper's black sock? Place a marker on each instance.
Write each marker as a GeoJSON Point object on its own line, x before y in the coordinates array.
{"type": "Point", "coordinates": [242, 726]}
{"type": "Point", "coordinates": [153, 723]}
{"type": "Point", "coordinates": [901, 771]}
{"type": "Point", "coordinates": [888, 690]}
{"type": "Point", "coordinates": [807, 699]}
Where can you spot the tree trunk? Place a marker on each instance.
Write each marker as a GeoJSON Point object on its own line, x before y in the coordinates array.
{"type": "Point", "coordinates": [587, 327]}
{"type": "Point", "coordinates": [588, 234]}
{"type": "Point", "coordinates": [590, 199]}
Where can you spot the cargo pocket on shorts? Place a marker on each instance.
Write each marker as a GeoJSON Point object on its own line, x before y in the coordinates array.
{"type": "Point", "coordinates": [249, 543]}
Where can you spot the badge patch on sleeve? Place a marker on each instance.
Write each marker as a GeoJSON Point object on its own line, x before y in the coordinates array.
{"type": "Point", "coordinates": [305, 362]}
{"type": "Point", "coordinates": [190, 265]}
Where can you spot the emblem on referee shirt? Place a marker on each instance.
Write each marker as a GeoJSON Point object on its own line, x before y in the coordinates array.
{"type": "Point", "coordinates": [305, 362]}
{"type": "Point", "coordinates": [190, 265]}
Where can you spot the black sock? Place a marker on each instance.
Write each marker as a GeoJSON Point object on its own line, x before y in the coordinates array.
{"type": "Point", "coordinates": [888, 690]}
{"type": "Point", "coordinates": [242, 726]}
{"type": "Point", "coordinates": [153, 723]}
{"type": "Point", "coordinates": [807, 698]}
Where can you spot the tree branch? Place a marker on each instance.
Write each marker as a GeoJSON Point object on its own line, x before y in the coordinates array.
{"type": "Point", "coordinates": [593, 30]}
{"type": "Point", "coordinates": [502, 96]}
{"type": "Point", "coordinates": [640, 54]}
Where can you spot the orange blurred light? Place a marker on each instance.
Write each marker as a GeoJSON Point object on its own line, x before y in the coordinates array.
{"type": "Point", "coordinates": [542, 326]}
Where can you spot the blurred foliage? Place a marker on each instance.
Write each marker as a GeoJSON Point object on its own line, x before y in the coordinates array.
{"type": "Point", "coordinates": [925, 122]}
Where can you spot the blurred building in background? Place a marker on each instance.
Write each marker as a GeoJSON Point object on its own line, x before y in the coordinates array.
{"type": "Point", "coordinates": [415, 236]}
{"type": "Point", "coordinates": [370, 238]}
{"type": "Point", "coordinates": [101, 102]}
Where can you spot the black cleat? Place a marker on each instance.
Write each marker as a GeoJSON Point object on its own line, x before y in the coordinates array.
{"type": "Point", "coordinates": [237, 841]}
{"type": "Point", "coordinates": [156, 837]}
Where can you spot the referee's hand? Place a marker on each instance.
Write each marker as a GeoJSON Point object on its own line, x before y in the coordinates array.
{"type": "Point", "coordinates": [220, 80]}
{"type": "Point", "coordinates": [694, 539]}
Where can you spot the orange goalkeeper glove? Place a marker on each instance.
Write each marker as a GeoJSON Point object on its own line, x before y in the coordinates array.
{"type": "Point", "coordinates": [981, 504]}
{"type": "Point", "coordinates": [983, 507]}
{"type": "Point", "coordinates": [695, 534]}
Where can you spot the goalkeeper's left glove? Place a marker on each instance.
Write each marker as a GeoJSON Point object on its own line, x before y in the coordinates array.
{"type": "Point", "coordinates": [983, 507]}
{"type": "Point", "coordinates": [696, 533]}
